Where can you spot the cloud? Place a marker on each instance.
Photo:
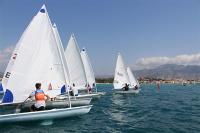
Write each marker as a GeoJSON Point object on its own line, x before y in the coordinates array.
{"type": "Point", "coordinates": [4, 57]}
{"type": "Point", "coordinates": [152, 62]}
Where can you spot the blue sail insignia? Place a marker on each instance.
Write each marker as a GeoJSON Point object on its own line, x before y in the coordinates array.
{"type": "Point", "coordinates": [1, 87]}
{"type": "Point", "coordinates": [8, 97]}
{"type": "Point", "coordinates": [42, 10]}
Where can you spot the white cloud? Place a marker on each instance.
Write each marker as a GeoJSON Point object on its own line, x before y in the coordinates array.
{"type": "Point", "coordinates": [4, 57]}
{"type": "Point", "coordinates": [152, 62]}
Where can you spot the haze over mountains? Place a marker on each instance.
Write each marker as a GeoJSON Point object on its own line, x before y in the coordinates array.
{"type": "Point", "coordinates": [168, 71]}
{"type": "Point", "coordinates": [171, 71]}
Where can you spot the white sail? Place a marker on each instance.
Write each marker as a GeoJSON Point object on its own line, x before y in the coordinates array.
{"type": "Point", "coordinates": [88, 69]}
{"type": "Point", "coordinates": [9, 68]}
{"type": "Point", "coordinates": [37, 57]}
{"type": "Point", "coordinates": [133, 80]}
{"type": "Point", "coordinates": [75, 64]}
{"type": "Point", "coordinates": [62, 55]}
{"type": "Point", "coordinates": [11, 63]}
{"type": "Point", "coordinates": [121, 76]}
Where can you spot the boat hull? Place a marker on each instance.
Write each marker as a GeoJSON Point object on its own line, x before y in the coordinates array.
{"type": "Point", "coordinates": [127, 92]}
{"type": "Point", "coordinates": [45, 115]}
{"type": "Point", "coordinates": [82, 96]}
{"type": "Point", "coordinates": [11, 107]}
{"type": "Point", "coordinates": [61, 103]}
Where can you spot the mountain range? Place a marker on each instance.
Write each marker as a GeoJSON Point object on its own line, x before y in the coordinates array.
{"type": "Point", "coordinates": [171, 71]}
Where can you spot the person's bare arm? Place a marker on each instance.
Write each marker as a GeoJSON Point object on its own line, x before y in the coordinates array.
{"type": "Point", "coordinates": [47, 97]}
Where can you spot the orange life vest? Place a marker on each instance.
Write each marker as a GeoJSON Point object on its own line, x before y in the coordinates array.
{"type": "Point", "coordinates": [39, 96]}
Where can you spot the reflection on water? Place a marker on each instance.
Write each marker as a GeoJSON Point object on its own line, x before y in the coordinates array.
{"type": "Point", "coordinates": [118, 108]}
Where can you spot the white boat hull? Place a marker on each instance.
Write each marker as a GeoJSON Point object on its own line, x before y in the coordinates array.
{"type": "Point", "coordinates": [81, 96]}
{"type": "Point", "coordinates": [61, 103]}
{"type": "Point", "coordinates": [91, 95]}
{"type": "Point", "coordinates": [45, 115]}
{"type": "Point", "coordinates": [49, 104]}
{"type": "Point", "coordinates": [120, 91]}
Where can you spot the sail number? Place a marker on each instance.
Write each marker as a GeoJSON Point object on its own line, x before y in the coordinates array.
{"type": "Point", "coordinates": [7, 75]}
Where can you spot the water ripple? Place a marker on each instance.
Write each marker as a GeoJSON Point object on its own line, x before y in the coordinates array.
{"type": "Point", "coordinates": [172, 109]}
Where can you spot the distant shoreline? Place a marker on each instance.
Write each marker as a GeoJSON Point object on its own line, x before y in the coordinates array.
{"type": "Point", "coordinates": [149, 81]}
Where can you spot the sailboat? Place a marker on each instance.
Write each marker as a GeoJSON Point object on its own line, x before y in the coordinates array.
{"type": "Point", "coordinates": [80, 70]}
{"type": "Point", "coordinates": [123, 76]}
{"type": "Point", "coordinates": [88, 69]}
{"type": "Point", "coordinates": [89, 74]}
{"type": "Point", "coordinates": [57, 70]}
{"type": "Point", "coordinates": [37, 56]}
{"type": "Point", "coordinates": [74, 101]}
{"type": "Point", "coordinates": [76, 70]}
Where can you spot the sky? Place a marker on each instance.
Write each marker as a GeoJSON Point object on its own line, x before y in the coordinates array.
{"type": "Point", "coordinates": [147, 33]}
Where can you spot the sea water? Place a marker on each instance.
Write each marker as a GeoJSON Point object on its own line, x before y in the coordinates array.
{"type": "Point", "coordinates": [171, 109]}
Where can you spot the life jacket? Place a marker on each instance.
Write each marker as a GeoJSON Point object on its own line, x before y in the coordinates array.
{"type": "Point", "coordinates": [39, 95]}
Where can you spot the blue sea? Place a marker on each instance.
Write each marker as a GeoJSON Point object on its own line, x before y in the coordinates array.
{"type": "Point", "coordinates": [170, 109]}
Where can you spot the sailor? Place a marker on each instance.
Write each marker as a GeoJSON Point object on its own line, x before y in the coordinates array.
{"type": "Point", "coordinates": [93, 85]}
{"type": "Point", "coordinates": [75, 90]}
{"type": "Point", "coordinates": [89, 89]}
{"type": "Point", "coordinates": [40, 98]}
{"type": "Point", "coordinates": [136, 87]}
{"type": "Point", "coordinates": [71, 92]}
{"type": "Point", "coordinates": [126, 87]}
{"type": "Point", "coordinates": [68, 88]}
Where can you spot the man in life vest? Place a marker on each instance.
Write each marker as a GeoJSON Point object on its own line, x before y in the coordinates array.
{"type": "Point", "coordinates": [40, 98]}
